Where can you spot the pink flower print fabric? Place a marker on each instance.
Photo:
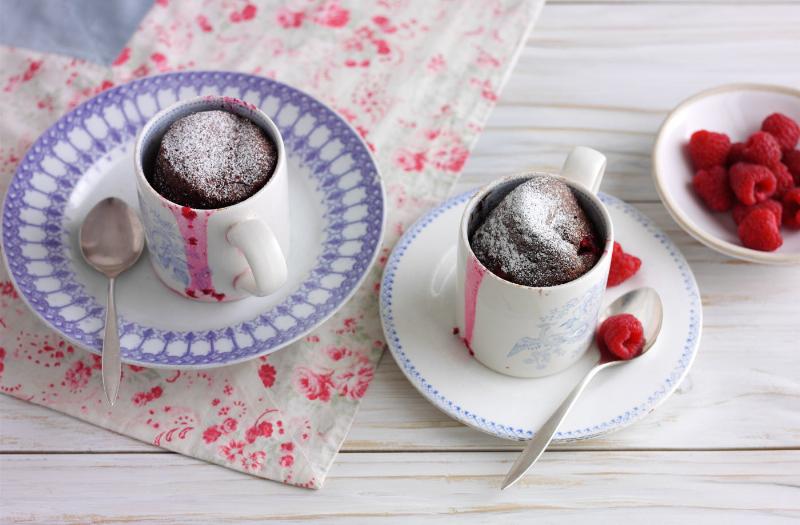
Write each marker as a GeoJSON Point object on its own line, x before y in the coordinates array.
{"type": "Point", "coordinates": [416, 78]}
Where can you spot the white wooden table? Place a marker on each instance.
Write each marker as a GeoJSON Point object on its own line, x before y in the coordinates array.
{"type": "Point", "coordinates": [724, 448]}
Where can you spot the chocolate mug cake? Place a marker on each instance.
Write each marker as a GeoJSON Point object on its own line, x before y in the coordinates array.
{"type": "Point", "coordinates": [538, 235]}
{"type": "Point", "coordinates": [212, 159]}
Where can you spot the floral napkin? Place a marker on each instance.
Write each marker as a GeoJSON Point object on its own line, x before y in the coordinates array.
{"type": "Point", "coordinates": [416, 78]}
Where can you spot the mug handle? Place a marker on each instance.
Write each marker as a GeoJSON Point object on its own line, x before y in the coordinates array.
{"type": "Point", "coordinates": [585, 166]}
{"type": "Point", "coordinates": [267, 262]}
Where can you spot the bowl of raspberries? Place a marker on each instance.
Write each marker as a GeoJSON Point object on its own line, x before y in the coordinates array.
{"type": "Point", "coordinates": [726, 164]}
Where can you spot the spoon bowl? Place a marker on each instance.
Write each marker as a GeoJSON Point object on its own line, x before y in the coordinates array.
{"type": "Point", "coordinates": [111, 237]}
{"type": "Point", "coordinates": [111, 240]}
{"type": "Point", "coordinates": [645, 304]}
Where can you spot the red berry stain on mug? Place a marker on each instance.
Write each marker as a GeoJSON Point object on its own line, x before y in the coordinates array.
{"type": "Point", "coordinates": [475, 273]}
{"type": "Point", "coordinates": [196, 250]}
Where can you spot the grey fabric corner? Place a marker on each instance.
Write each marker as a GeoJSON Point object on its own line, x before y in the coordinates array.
{"type": "Point", "coordinates": [94, 30]}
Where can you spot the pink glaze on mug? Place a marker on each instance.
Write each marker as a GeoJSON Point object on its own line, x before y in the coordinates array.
{"type": "Point", "coordinates": [474, 277]}
{"type": "Point", "coordinates": [194, 230]}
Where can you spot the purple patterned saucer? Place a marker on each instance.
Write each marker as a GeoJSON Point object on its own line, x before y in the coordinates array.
{"type": "Point", "coordinates": [87, 156]}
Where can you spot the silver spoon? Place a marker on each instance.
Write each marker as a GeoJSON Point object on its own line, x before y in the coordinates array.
{"type": "Point", "coordinates": [111, 239]}
{"type": "Point", "coordinates": [645, 304]}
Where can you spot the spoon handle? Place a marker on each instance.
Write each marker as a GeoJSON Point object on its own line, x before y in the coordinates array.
{"type": "Point", "coordinates": [545, 434]}
{"type": "Point", "coordinates": [112, 364]}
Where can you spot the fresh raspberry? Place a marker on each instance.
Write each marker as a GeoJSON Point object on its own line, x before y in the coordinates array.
{"type": "Point", "coordinates": [762, 148]}
{"type": "Point", "coordinates": [760, 231]}
{"type": "Point", "coordinates": [791, 159]}
{"type": "Point", "coordinates": [735, 154]}
{"type": "Point", "coordinates": [622, 335]}
{"type": "Point", "coordinates": [740, 211]}
{"type": "Point", "coordinates": [712, 186]}
{"type": "Point", "coordinates": [791, 209]}
{"type": "Point", "coordinates": [783, 179]}
{"type": "Point", "coordinates": [785, 130]}
{"type": "Point", "coordinates": [708, 149]}
{"type": "Point", "coordinates": [623, 266]}
{"type": "Point", "coordinates": [751, 183]}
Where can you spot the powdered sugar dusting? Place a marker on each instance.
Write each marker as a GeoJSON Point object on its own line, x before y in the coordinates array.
{"type": "Point", "coordinates": [213, 159]}
{"type": "Point", "coordinates": [537, 236]}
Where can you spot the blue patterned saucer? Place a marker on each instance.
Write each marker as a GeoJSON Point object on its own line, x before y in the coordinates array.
{"type": "Point", "coordinates": [418, 314]}
{"type": "Point", "coordinates": [87, 156]}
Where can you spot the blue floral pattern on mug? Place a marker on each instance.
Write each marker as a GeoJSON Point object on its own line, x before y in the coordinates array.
{"type": "Point", "coordinates": [162, 237]}
{"type": "Point", "coordinates": [563, 330]}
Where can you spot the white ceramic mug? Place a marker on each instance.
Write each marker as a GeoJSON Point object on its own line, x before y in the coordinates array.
{"type": "Point", "coordinates": [219, 254]}
{"type": "Point", "coordinates": [527, 331]}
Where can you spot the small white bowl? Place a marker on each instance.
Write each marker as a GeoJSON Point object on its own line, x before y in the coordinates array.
{"type": "Point", "coordinates": [736, 110]}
